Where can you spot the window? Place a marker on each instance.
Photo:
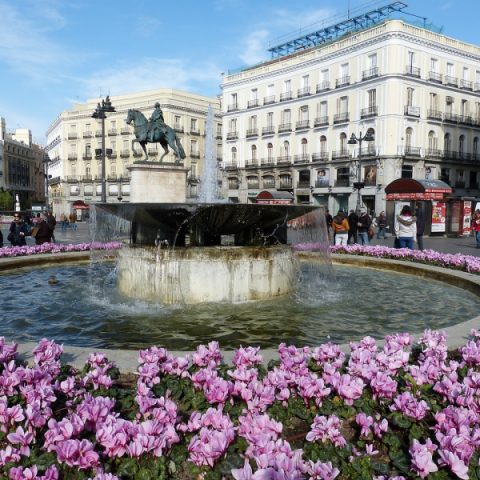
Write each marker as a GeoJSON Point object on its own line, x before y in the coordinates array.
{"type": "Point", "coordinates": [372, 61]}
{"type": "Point", "coordinates": [270, 90]}
{"type": "Point", "coordinates": [408, 137]}
{"type": "Point", "coordinates": [234, 99]}
{"type": "Point", "coordinates": [270, 151]}
{"type": "Point", "coordinates": [343, 176]}
{"type": "Point", "coordinates": [234, 154]}
{"type": "Point", "coordinates": [253, 152]}
{"type": "Point", "coordinates": [304, 146]}
{"type": "Point", "coordinates": [88, 170]}
{"type": "Point", "coordinates": [445, 175]}
{"type": "Point", "coordinates": [434, 65]}
{"type": "Point", "coordinates": [343, 143]}
{"type": "Point", "coordinates": [433, 101]}
{"type": "Point", "coordinates": [252, 122]}
{"type": "Point", "coordinates": [323, 144]}
{"type": "Point", "coordinates": [113, 169]}
{"type": "Point", "coordinates": [253, 94]}
{"type": "Point", "coordinates": [88, 149]}
{"type": "Point", "coordinates": [450, 70]}
{"type": "Point", "coordinates": [410, 96]}
{"type": "Point", "coordinates": [461, 144]}
{"type": "Point", "coordinates": [447, 143]}
{"type": "Point", "coordinates": [322, 109]}
{"type": "Point", "coordinates": [193, 124]}
{"type": "Point", "coordinates": [475, 146]}
{"type": "Point", "coordinates": [324, 76]}
{"type": "Point", "coordinates": [286, 117]}
{"type": "Point", "coordinates": [113, 124]}
{"type": "Point", "coordinates": [372, 98]}
{"type": "Point", "coordinates": [465, 73]}
{"type": "Point", "coordinates": [177, 121]}
{"type": "Point", "coordinates": [193, 147]}
{"type": "Point", "coordinates": [464, 108]}
{"type": "Point", "coordinates": [432, 142]}
{"type": "Point", "coordinates": [407, 171]}
{"type": "Point", "coordinates": [287, 86]}
{"type": "Point", "coordinates": [233, 125]}
{"type": "Point", "coordinates": [303, 113]}
{"type": "Point", "coordinates": [344, 70]}
{"type": "Point", "coordinates": [270, 119]}
{"type": "Point", "coordinates": [411, 59]}
{"type": "Point", "coordinates": [305, 81]}
{"type": "Point", "coordinates": [286, 148]}
{"type": "Point", "coordinates": [342, 105]}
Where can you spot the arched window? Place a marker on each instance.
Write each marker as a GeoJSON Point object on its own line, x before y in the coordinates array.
{"type": "Point", "coordinates": [270, 151]}
{"type": "Point", "coordinates": [447, 143]}
{"type": "Point", "coordinates": [323, 144]}
{"type": "Point", "coordinates": [432, 142]}
{"type": "Point", "coordinates": [461, 145]}
{"type": "Point", "coordinates": [371, 143]}
{"type": "Point", "coordinates": [88, 170]}
{"type": "Point", "coordinates": [254, 152]}
{"type": "Point", "coordinates": [304, 144]}
{"type": "Point", "coordinates": [343, 143]}
{"type": "Point", "coordinates": [286, 149]}
{"type": "Point", "coordinates": [303, 113]}
{"type": "Point", "coordinates": [88, 149]}
{"type": "Point", "coordinates": [234, 154]}
{"type": "Point", "coordinates": [408, 138]}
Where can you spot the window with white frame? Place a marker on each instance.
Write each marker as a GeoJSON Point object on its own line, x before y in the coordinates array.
{"type": "Point", "coordinates": [254, 94]}
{"type": "Point", "coordinates": [270, 119]}
{"type": "Point", "coordinates": [286, 117]}
{"type": "Point", "coordinates": [410, 92]}
{"type": "Point", "coordinates": [450, 70]}
{"type": "Point", "coordinates": [252, 122]}
{"type": "Point", "coordinates": [372, 98]}
{"type": "Point", "coordinates": [287, 86]}
{"type": "Point", "coordinates": [194, 147]}
{"type": "Point", "coordinates": [323, 144]}
{"type": "Point", "coordinates": [286, 148]}
{"type": "Point", "coordinates": [372, 61]}
{"type": "Point", "coordinates": [461, 144]}
{"type": "Point", "coordinates": [447, 143]}
{"type": "Point", "coordinates": [343, 142]}
{"type": "Point", "coordinates": [322, 109]}
{"type": "Point", "coordinates": [303, 113]}
{"type": "Point", "coordinates": [465, 73]}
{"type": "Point", "coordinates": [270, 90]}
{"type": "Point", "coordinates": [304, 147]}
{"type": "Point", "coordinates": [408, 137]}
{"type": "Point", "coordinates": [305, 81]}
{"type": "Point", "coordinates": [233, 125]}
{"type": "Point", "coordinates": [269, 151]}
{"type": "Point", "coordinates": [344, 70]}
{"type": "Point", "coordinates": [433, 101]}
{"type": "Point", "coordinates": [253, 152]}
{"type": "Point", "coordinates": [234, 154]}
{"type": "Point", "coordinates": [342, 105]}
{"type": "Point", "coordinates": [432, 142]}
{"type": "Point", "coordinates": [434, 65]}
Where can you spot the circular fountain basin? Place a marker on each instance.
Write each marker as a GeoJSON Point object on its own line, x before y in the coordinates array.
{"type": "Point", "coordinates": [86, 309]}
{"type": "Point", "coordinates": [207, 274]}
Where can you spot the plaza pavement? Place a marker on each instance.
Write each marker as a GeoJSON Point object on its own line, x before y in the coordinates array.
{"type": "Point", "coordinates": [465, 245]}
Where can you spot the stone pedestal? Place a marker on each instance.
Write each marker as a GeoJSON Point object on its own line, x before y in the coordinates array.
{"type": "Point", "coordinates": [153, 182]}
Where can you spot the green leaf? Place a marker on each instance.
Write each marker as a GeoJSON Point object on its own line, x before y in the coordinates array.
{"type": "Point", "coordinates": [144, 474]}
{"type": "Point", "coordinates": [400, 420]}
{"type": "Point", "coordinates": [128, 467]}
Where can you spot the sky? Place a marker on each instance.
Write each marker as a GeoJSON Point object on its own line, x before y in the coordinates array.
{"type": "Point", "coordinates": [54, 53]}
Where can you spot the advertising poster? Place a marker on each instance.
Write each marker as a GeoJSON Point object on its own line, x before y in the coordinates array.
{"type": "Point", "coordinates": [370, 175]}
{"type": "Point", "coordinates": [467, 218]}
{"type": "Point", "coordinates": [323, 177]}
{"type": "Point", "coordinates": [456, 217]}
{"type": "Point", "coordinates": [439, 214]}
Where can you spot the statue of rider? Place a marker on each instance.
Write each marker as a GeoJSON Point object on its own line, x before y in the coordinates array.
{"type": "Point", "coordinates": [156, 124]}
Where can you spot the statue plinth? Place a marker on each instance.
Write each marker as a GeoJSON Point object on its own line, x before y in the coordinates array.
{"type": "Point", "coordinates": [154, 182]}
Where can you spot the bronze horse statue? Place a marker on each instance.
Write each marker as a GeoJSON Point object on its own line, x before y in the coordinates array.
{"type": "Point", "coordinates": [165, 135]}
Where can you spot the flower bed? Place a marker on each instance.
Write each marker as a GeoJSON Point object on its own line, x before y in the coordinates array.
{"type": "Point", "coordinates": [57, 248]}
{"type": "Point", "coordinates": [458, 261]}
{"type": "Point", "coordinates": [396, 412]}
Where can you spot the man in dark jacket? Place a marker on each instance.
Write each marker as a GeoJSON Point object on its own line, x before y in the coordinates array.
{"type": "Point", "coordinates": [18, 231]}
{"type": "Point", "coordinates": [364, 223]}
{"type": "Point", "coordinates": [44, 234]}
{"type": "Point", "coordinates": [51, 222]}
{"type": "Point", "coordinates": [352, 221]}
{"type": "Point", "coordinates": [420, 215]}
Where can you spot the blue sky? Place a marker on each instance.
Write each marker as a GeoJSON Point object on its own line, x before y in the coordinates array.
{"type": "Point", "coordinates": [56, 52]}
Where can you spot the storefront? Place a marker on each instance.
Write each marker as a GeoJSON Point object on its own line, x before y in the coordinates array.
{"type": "Point", "coordinates": [81, 210]}
{"type": "Point", "coordinates": [429, 196]}
{"type": "Point", "coordinates": [274, 198]}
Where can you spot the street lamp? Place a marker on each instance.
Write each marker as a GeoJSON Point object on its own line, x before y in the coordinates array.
{"type": "Point", "coordinates": [46, 161]}
{"type": "Point", "coordinates": [100, 114]}
{"type": "Point", "coordinates": [354, 139]}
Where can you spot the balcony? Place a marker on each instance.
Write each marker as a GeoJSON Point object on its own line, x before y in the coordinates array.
{"type": "Point", "coordinates": [195, 154]}
{"type": "Point", "coordinates": [87, 179]}
{"type": "Point", "coordinates": [232, 107]}
{"type": "Point", "coordinates": [434, 115]}
{"type": "Point", "coordinates": [73, 179]}
{"type": "Point", "coordinates": [268, 184]}
{"type": "Point", "coordinates": [72, 156]}
{"type": "Point", "coordinates": [126, 153]}
{"type": "Point", "coordinates": [267, 161]}
{"type": "Point", "coordinates": [178, 128]}
{"type": "Point", "coordinates": [342, 82]}
{"type": "Point", "coordinates": [111, 177]}
{"type": "Point", "coordinates": [124, 177]}
{"type": "Point", "coordinates": [270, 130]}
{"type": "Point", "coordinates": [253, 185]}
{"type": "Point", "coordinates": [194, 131]}
{"type": "Point", "coordinates": [253, 103]}
{"type": "Point", "coordinates": [301, 158]}
{"type": "Point", "coordinates": [340, 155]}
{"type": "Point", "coordinates": [450, 117]}
{"type": "Point", "coordinates": [412, 71]}
{"type": "Point", "coordinates": [370, 151]}
{"type": "Point", "coordinates": [87, 156]}
{"type": "Point", "coordinates": [372, 73]}
{"type": "Point", "coordinates": [302, 125]}
{"type": "Point", "coordinates": [284, 160]}
{"type": "Point", "coordinates": [88, 134]}
{"type": "Point", "coordinates": [303, 184]}
{"type": "Point", "coordinates": [286, 96]}
{"type": "Point", "coordinates": [285, 184]}
{"type": "Point", "coordinates": [433, 153]}
{"type": "Point", "coordinates": [98, 133]}
{"type": "Point", "coordinates": [125, 131]}
{"type": "Point", "coordinates": [410, 151]}
{"type": "Point", "coordinates": [252, 163]}
{"type": "Point", "coordinates": [320, 121]}
{"type": "Point", "coordinates": [435, 77]}
{"type": "Point", "coordinates": [233, 185]}
{"type": "Point", "coordinates": [464, 156]}
{"type": "Point", "coordinates": [150, 151]}
{"type": "Point", "coordinates": [369, 112]}
{"type": "Point", "coordinates": [285, 127]}
{"type": "Point", "coordinates": [341, 117]}
{"type": "Point", "coordinates": [412, 111]}
{"type": "Point", "coordinates": [269, 100]}
{"type": "Point", "coordinates": [72, 135]}
{"type": "Point", "coordinates": [452, 81]}
{"type": "Point", "coordinates": [112, 132]}
{"type": "Point", "coordinates": [323, 86]}
{"type": "Point", "coordinates": [449, 154]}
{"type": "Point", "coordinates": [465, 119]}
{"type": "Point", "coordinates": [137, 153]}
{"type": "Point", "coordinates": [232, 136]}
{"type": "Point", "coordinates": [320, 157]}
{"type": "Point", "coordinates": [231, 165]}
{"type": "Point", "coordinates": [303, 92]}
{"type": "Point", "coordinates": [466, 84]}
{"type": "Point", "coordinates": [252, 132]}
{"type": "Point", "coordinates": [112, 155]}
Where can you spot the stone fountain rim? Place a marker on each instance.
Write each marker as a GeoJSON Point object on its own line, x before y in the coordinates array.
{"type": "Point", "coordinates": [127, 360]}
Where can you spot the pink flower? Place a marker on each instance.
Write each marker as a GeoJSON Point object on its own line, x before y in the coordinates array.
{"type": "Point", "coordinates": [322, 471]}
{"type": "Point", "coordinates": [326, 429]}
{"type": "Point", "coordinates": [422, 460]}
{"type": "Point", "coordinates": [456, 465]}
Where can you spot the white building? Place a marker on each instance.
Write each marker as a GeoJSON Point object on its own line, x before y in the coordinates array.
{"type": "Point", "coordinates": [75, 170]}
{"type": "Point", "coordinates": [287, 121]}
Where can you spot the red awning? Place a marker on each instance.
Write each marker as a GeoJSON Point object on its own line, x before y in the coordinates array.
{"type": "Point", "coordinates": [80, 204]}
{"type": "Point", "coordinates": [274, 198]}
{"type": "Point", "coordinates": [411, 189]}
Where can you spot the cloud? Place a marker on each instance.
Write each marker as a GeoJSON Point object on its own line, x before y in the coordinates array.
{"type": "Point", "coordinates": [146, 26]}
{"type": "Point", "coordinates": [254, 47]}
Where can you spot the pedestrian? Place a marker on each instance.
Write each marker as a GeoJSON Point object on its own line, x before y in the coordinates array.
{"type": "Point", "coordinates": [44, 232]}
{"type": "Point", "coordinates": [1, 234]}
{"type": "Point", "coordinates": [420, 217]}
{"type": "Point", "coordinates": [476, 226]}
{"type": "Point", "coordinates": [63, 221]}
{"type": "Point", "coordinates": [72, 219]}
{"type": "Point", "coordinates": [340, 228]}
{"type": "Point", "coordinates": [329, 220]}
{"type": "Point", "coordinates": [51, 222]}
{"type": "Point", "coordinates": [18, 231]}
{"type": "Point", "coordinates": [382, 226]}
{"type": "Point", "coordinates": [364, 223]}
{"type": "Point", "coordinates": [406, 228]}
{"type": "Point", "coordinates": [353, 223]}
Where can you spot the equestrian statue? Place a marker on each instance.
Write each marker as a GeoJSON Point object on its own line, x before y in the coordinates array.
{"type": "Point", "coordinates": [155, 130]}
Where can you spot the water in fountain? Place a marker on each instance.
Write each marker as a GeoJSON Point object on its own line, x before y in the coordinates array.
{"type": "Point", "coordinates": [209, 181]}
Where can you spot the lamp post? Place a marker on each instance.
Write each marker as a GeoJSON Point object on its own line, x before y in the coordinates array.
{"type": "Point", "coordinates": [100, 113]}
{"type": "Point", "coordinates": [46, 161]}
{"type": "Point", "coordinates": [354, 139]}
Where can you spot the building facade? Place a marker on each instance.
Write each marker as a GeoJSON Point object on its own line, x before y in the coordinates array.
{"type": "Point", "coordinates": [74, 138]}
{"type": "Point", "coordinates": [21, 167]}
{"type": "Point", "coordinates": [287, 122]}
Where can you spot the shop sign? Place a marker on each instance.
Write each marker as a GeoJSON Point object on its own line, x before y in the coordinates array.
{"type": "Point", "coordinates": [415, 196]}
{"type": "Point", "coordinates": [439, 213]}
{"type": "Point", "coordinates": [274, 201]}
{"type": "Point", "coordinates": [252, 194]}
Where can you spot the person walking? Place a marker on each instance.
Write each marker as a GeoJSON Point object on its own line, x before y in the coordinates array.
{"type": "Point", "coordinates": [382, 226]}
{"type": "Point", "coordinates": [328, 220]}
{"type": "Point", "coordinates": [364, 223]}
{"type": "Point", "coordinates": [406, 228]}
{"type": "Point", "coordinates": [72, 218]}
{"type": "Point", "coordinates": [51, 222]}
{"type": "Point", "coordinates": [44, 232]}
{"type": "Point", "coordinates": [476, 227]}
{"type": "Point", "coordinates": [353, 223]}
{"type": "Point", "coordinates": [420, 219]}
{"type": "Point", "coordinates": [340, 228]}
{"type": "Point", "coordinates": [18, 231]}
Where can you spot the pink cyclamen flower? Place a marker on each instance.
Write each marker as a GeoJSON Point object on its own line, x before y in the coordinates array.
{"type": "Point", "coordinates": [422, 458]}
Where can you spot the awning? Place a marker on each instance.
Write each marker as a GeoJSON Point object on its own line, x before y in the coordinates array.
{"type": "Point", "coordinates": [274, 198]}
{"type": "Point", "coordinates": [411, 189]}
{"type": "Point", "coordinates": [80, 205]}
